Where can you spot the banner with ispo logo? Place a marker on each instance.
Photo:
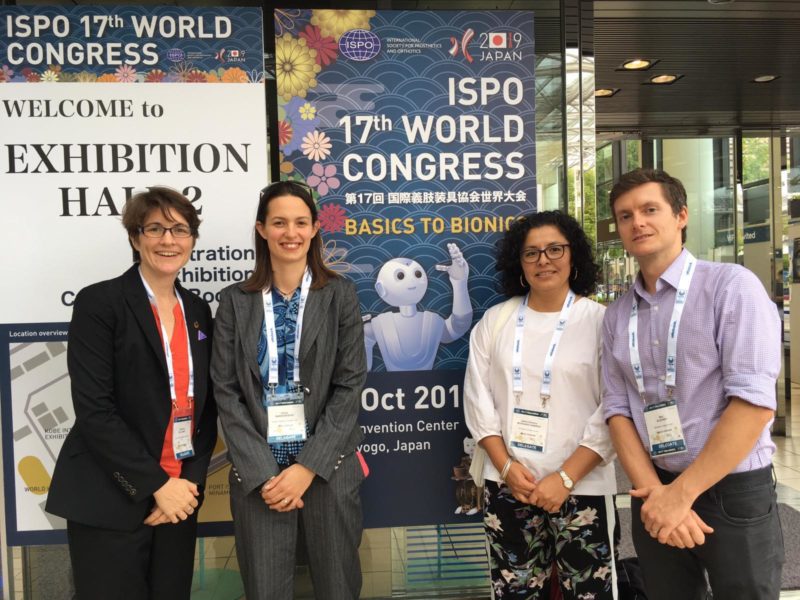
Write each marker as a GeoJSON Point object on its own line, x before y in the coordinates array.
{"type": "Point", "coordinates": [96, 103]}
{"type": "Point", "coordinates": [416, 132]}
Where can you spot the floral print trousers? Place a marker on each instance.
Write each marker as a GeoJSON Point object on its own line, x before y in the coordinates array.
{"type": "Point", "coordinates": [525, 541]}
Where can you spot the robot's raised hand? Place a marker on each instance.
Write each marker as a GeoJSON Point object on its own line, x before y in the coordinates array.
{"type": "Point", "coordinates": [458, 269]}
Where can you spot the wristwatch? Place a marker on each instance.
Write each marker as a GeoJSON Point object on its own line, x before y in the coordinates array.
{"type": "Point", "coordinates": [568, 483]}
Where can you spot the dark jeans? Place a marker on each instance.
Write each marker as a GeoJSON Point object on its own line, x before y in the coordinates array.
{"type": "Point", "coordinates": [743, 557]}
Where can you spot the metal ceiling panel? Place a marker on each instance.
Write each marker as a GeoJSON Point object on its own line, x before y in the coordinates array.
{"type": "Point", "coordinates": [718, 57]}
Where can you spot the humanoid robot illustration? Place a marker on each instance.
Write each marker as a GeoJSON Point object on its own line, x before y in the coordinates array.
{"type": "Point", "coordinates": [408, 339]}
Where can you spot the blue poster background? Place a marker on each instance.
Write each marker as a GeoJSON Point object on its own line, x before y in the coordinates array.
{"type": "Point", "coordinates": [416, 132]}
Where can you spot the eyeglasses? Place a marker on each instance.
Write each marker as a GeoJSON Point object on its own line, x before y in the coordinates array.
{"type": "Point", "coordinates": [156, 230]}
{"type": "Point", "coordinates": [554, 252]}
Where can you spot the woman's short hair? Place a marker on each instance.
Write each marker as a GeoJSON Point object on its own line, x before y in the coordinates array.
{"type": "Point", "coordinates": [262, 273]}
{"type": "Point", "coordinates": [167, 200]}
{"type": "Point", "coordinates": [585, 273]}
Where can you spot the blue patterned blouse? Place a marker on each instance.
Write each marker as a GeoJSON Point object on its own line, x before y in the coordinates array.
{"type": "Point", "coordinates": [285, 312]}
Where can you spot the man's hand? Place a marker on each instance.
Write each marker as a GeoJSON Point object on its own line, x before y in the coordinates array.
{"type": "Point", "coordinates": [550, 493]}
{"type": "Point", "coordinates": [690, 532]}
{"type": "Point", "coordinates": [664, 509]}
{"type": "Point", "coordinates": [284, 492]}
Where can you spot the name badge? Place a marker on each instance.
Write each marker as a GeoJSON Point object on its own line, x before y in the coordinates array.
{"type": "Point", "coordinates": [182, 433]}
{"type": "Point", "coordinates": [286, 417]}
{"type": "Point", "coordinates": [529, 429]}
{"type": "Point", "coordinates": [664, 429]}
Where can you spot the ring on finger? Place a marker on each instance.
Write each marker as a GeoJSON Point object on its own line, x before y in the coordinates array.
{"type": "Point", "coordinates": [286, 501]}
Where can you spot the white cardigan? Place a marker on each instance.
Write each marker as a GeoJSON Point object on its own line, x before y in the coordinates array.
{"type": "Point", "coordinates": [576, 416]}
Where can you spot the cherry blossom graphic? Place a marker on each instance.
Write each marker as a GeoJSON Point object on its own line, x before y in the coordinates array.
{"type": "Point", "coordinates": [323, 178]}
{"type": "Point", "coordinates": [332, 218]}
{"type": "Point", "coordinates": [307, 111]}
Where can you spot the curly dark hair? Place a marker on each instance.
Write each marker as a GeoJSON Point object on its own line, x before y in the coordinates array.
{"type": "Point", "coordinates": [509, 251]}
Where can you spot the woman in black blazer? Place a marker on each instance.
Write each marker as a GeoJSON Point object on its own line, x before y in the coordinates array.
{"type": "Point", "coordinates": [129, 476]}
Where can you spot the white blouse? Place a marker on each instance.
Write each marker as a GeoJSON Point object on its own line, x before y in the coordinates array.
{"type": "Point", "coordinates": [575, 413]}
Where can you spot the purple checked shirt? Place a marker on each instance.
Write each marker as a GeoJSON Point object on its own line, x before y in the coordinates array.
{"type": "Point", "coordinates": [729, 344]}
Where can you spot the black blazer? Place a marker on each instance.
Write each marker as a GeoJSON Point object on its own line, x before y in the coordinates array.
{"type": "Point", "coordinates": [108, 468]}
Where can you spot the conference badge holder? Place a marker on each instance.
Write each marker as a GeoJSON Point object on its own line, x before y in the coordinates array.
{"type": "Point", "coordinates": [286, 416]}
{"type": "Point", "coordinates": [182, 432]}
{"type": "Point", "coordinates": [529, 429]}
{"type": "Point", "coordinates": [664, 429]}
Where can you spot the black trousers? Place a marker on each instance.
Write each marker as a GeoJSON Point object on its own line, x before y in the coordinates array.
{"type": "Point", "coordinates": [743, 557]}
{"type": "Point", "coordinates": [150, 563]}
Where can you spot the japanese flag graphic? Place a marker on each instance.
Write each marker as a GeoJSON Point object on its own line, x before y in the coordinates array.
{"type": "Point", "coordinates": [499, 40]}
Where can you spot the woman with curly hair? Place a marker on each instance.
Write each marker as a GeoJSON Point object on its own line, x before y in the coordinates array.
{"type": "Point", "coordinates": [532, 401]}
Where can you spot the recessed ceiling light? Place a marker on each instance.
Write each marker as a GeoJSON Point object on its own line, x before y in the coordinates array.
{"type": "Point", "coordinates": [765, 78]}
{"type": "Point", "coordinates": [665, 79]}
{"type": "Point", "coordinates": [637, 64]}
{"type": "Point", "coordinates": [605, 92]}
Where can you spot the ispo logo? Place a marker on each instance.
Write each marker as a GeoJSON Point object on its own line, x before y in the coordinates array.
{"type": "Point", "coordinates": [175, 54]}
{"type": "Point", "coordinates": [359, 44]}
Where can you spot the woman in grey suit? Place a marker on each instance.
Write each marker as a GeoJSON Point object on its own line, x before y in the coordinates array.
{"type": "Point", "coordinates": [288, 366]}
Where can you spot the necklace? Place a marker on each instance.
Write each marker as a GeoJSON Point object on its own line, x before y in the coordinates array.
{"type": "Point", "coordinates": [285, 295]}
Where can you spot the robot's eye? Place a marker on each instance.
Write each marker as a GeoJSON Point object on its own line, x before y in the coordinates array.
{"type": "Point", "coordinates": [418, 274]}
{"type": "Point", "coordinates": [399, 275]}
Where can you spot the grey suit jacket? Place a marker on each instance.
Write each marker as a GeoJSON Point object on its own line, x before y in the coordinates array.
{"type": "Point", "coordinates": [332, 373]}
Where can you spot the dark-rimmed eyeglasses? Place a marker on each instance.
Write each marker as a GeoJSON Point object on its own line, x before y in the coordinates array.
{"type": "Point", "coordinates": [156, 230]}
{"type": "Point", "coordinates": [554, 252]}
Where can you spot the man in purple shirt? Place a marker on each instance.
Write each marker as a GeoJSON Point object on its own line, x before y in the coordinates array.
{"type": "Point", "coordinates": [691, 354]}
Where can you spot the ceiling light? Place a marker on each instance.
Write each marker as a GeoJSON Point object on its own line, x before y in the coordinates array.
{"type": "Point", "coordinates": [605, 92]}
{"type": "Point", "coordinates": [765, 78]}
{"type": "Point", "coordinates": [665, 79]}
{"type": "Point", "coordinates": [637, 64]}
